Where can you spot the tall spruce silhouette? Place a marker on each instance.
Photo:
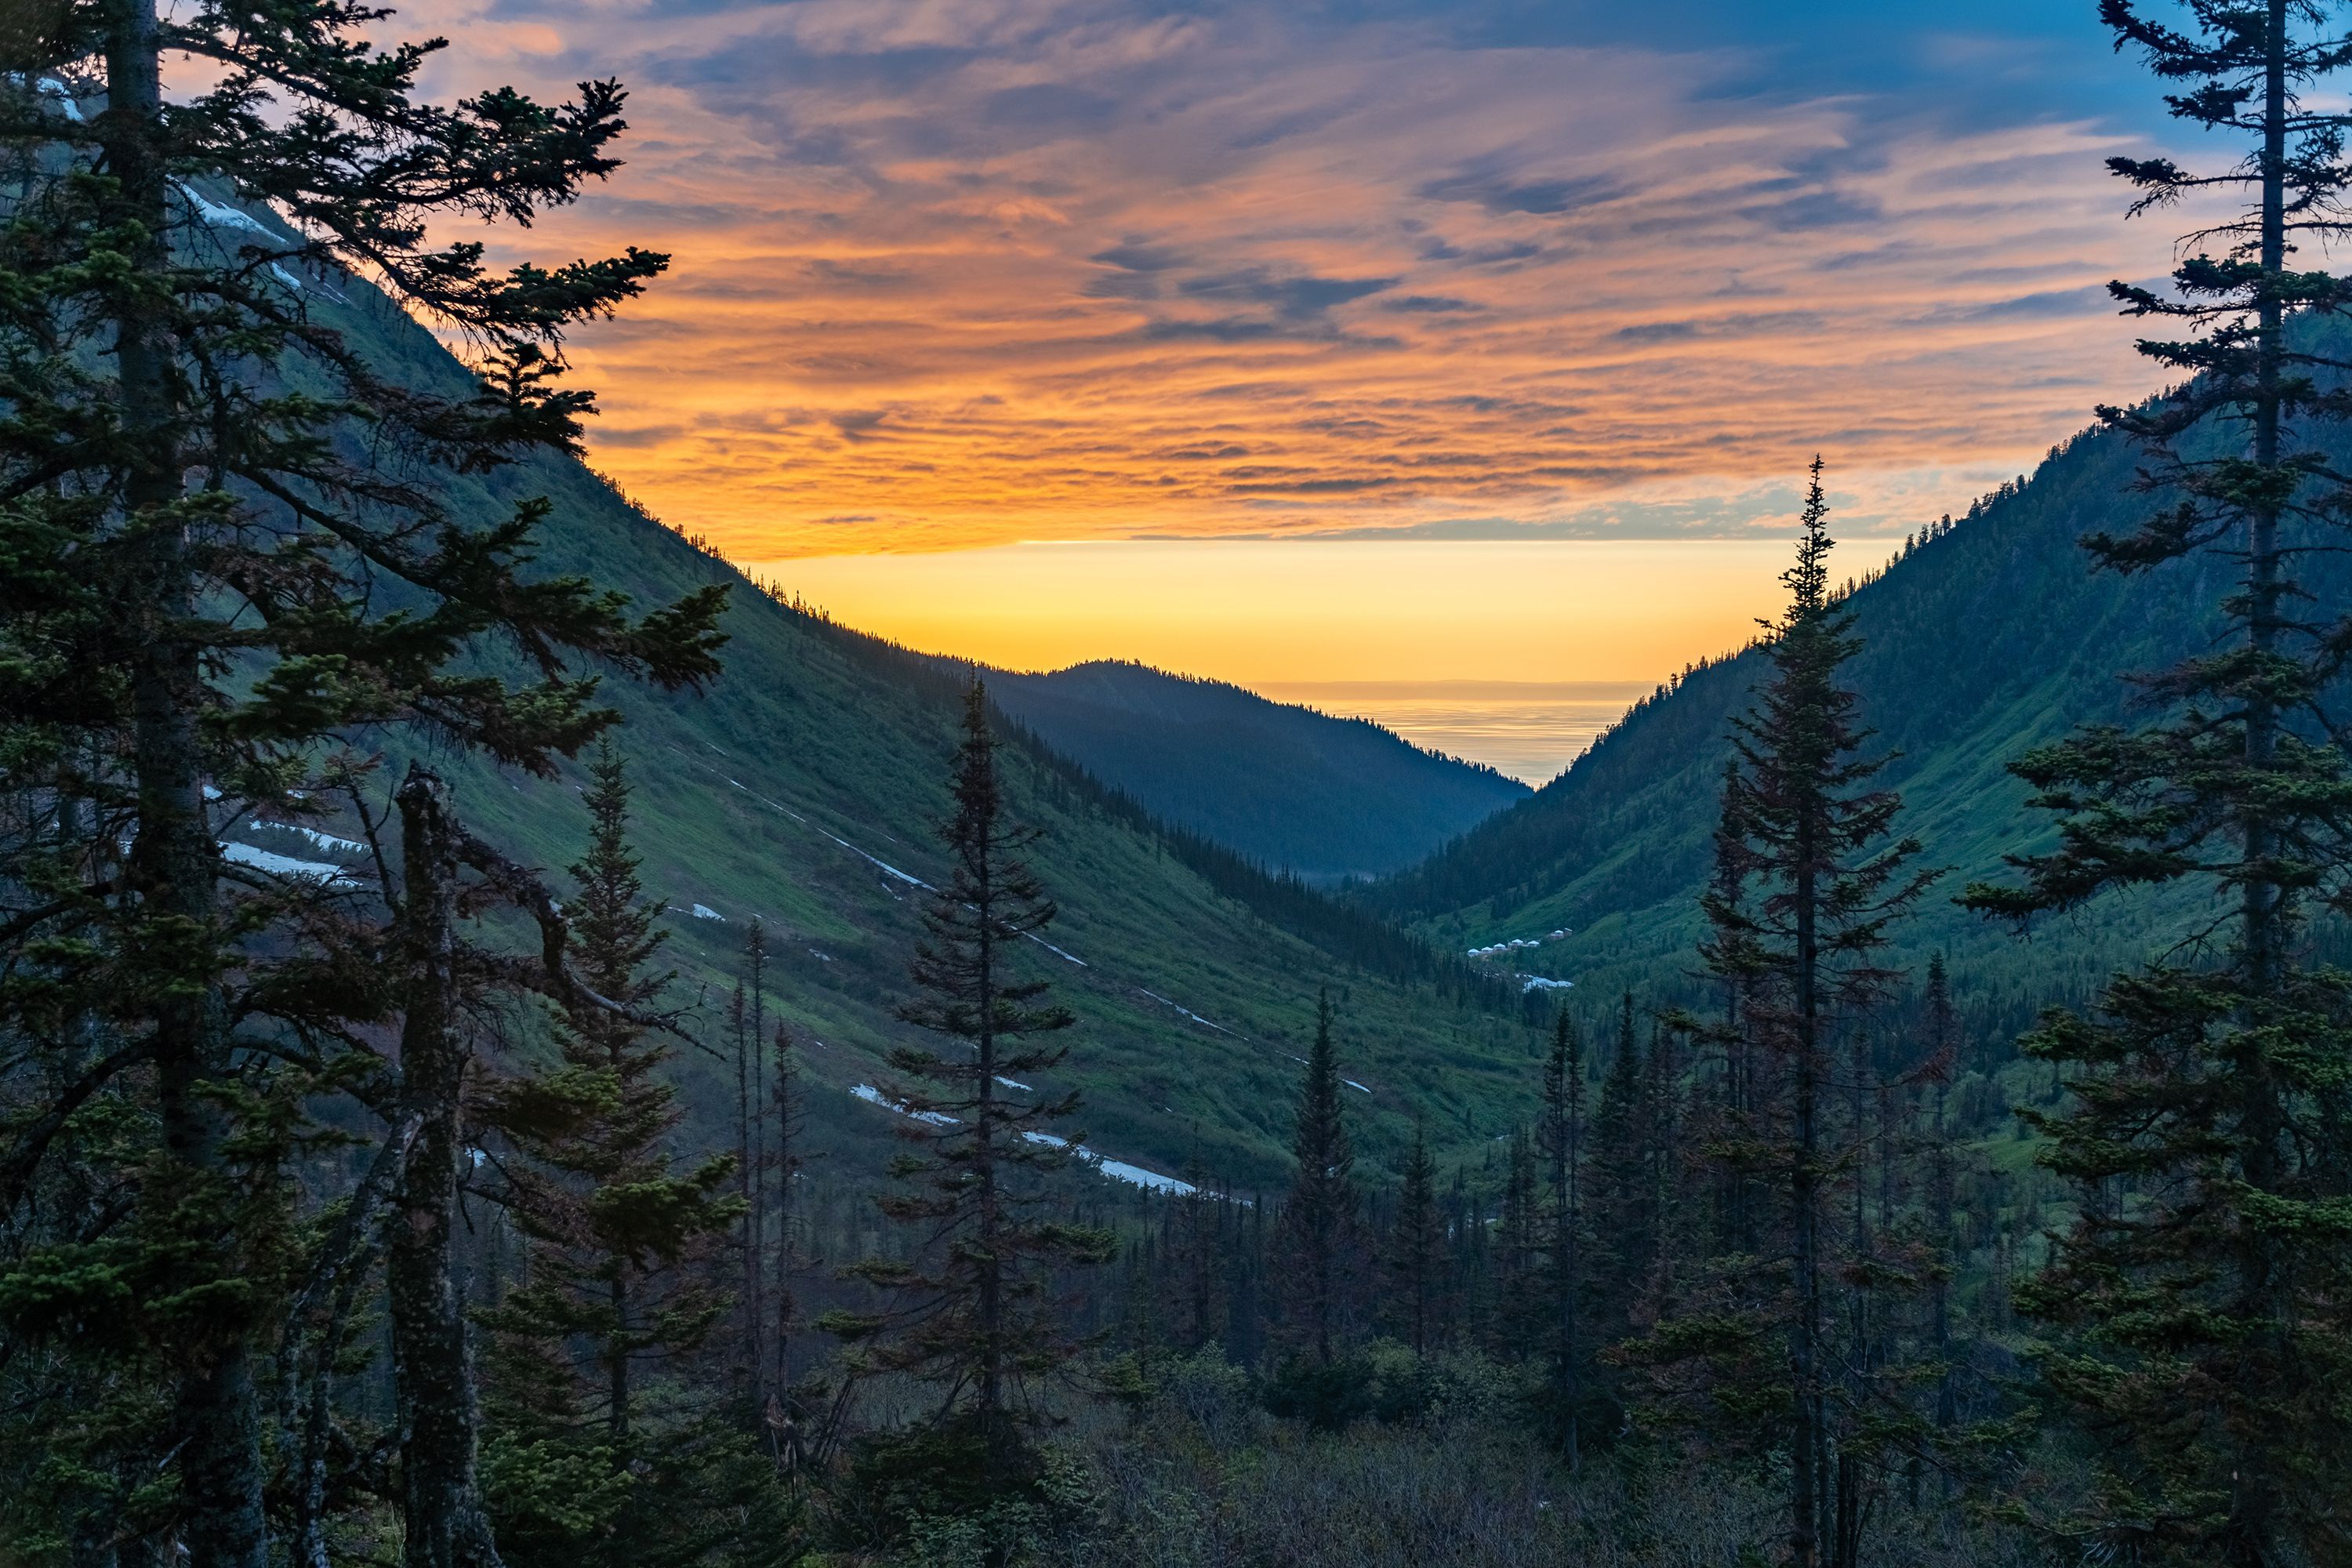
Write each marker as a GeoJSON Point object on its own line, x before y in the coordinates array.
{"type": "Point", "coordinates": [1559, 1140]}
{"type": "Point", "coordinates": [972, 1314]}
{"type": "Point", "coordinates": [1319, 1213]}
{"type": "Point", "coordinates": [1416, 1255]}
{"type": "Point", "coordinates": [1809, 880]}
{"type": "Point", "coordinates": [2204, 1295]}
{"type": "Point", "coordinates": [212, 498]}
{"type": "Point", "coordinates": [621, 1237]}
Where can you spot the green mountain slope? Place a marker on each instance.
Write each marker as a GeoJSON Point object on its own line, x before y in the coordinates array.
{"type": "Point", "coordinates": [803, 789]}
{"type": "Point", "coordinates": [1979, 645]}
{"type": "Point", "coordinates": [1283, 786]}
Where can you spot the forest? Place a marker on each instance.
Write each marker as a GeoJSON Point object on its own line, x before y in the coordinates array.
{"type": "Point", "coordinates": [624, 1148]}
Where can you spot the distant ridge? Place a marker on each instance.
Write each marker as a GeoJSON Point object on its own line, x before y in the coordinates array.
{"type": "Point", "coordinates": [1288, 786]}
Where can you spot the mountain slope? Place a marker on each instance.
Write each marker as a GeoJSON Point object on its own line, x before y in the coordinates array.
{"type": "Point", "coordinates": [1982, 643]}
{"type": "Point", "coordinates": [804, 788]}
{"type": "Point", "coordinates": [1283, 786]}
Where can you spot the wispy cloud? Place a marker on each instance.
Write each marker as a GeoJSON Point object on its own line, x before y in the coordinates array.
{"type": "Point", "coordinates": [959, 271]}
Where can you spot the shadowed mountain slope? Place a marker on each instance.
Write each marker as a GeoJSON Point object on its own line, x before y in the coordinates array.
{"type": "Point", "coordinates": [1984, 642]}
{"type": "Point", "coordinates": [805, 788]}
{"type": "Point", "coordinates": [1283, 786]}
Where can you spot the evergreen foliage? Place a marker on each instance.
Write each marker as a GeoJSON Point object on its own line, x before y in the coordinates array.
{"type": "Point", "coordinates": [1797, 915]}
{"type": "Point", "coordinates": [1319, 1215]}
{"type": "Point", "coordinates": [1560, 1144]}
{"type": "Point", "coordinates": [1415, 1275]}
{"type": "Point", "coordinates": [2201, 1295]}
{"type": "Point", "coordinates": [617, 1284]}
{"type": "Point", "coordinates": [975, 1318]}
{"type": "Point", "coordinates": [228, 564]}
{"type": "Point", "coordinates": [259, 1184]}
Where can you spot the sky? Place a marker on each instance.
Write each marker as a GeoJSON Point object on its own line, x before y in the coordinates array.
{"type": "Point", "coordinates": [953, 275]}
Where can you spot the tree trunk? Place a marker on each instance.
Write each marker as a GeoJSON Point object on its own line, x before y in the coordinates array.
{"type": "Point", "coordinates": [983, 1168]}
{"type": "Point", "coordinates": [441, 1505]}
{"type": "Point", "coordinates": [1809, 1449]}
{"type": "Point", "coordinates": [2259, 1266]}
{"type": "Point", "coordinates": [173, 855]}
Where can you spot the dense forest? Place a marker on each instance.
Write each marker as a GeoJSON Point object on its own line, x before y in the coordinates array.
{"type": "Point", "coordinates": [1324, 798]}
{"type": "Point", "coordinates": [766, 1187]}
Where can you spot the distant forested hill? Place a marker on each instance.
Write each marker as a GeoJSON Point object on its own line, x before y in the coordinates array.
{"type": "Point", "coordinates": [1979, 645]}
{"type": "Point", "coordinates": [1285, 787]}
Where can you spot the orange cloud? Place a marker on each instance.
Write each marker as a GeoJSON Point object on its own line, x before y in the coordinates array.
{"type": "Point", "coordinates": [960, 272]}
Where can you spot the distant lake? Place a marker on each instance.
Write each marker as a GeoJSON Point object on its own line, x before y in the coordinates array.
{"type": "Point", "coordinates": [1529, 730]}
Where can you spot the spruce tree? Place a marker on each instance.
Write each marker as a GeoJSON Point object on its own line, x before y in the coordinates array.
{"type": "Point", "coordinates": [1943, 1048]}
{"type": "Point", "coordinates": [1559, 1143]}
{"type": "Point", "coordinates": [746, 1023]}
{"type": "Point", "coordinates": [1797, 923]}
{"type": "Point", "coordinates": [1199, 1253]}
{"type": "Point", "coordinates": [1624, 1195]}
{"type": "Point", "coordinates": [787, 1116]}
{"type": "Point", "coordinates": [1416, 1263]}
{"type": "Point", "coordinates": [2203, 1298]}
{"type": "Point", "coordinates": [1319, 1213]}
{"type": "Point", "coordinates": [974, 1315]}
{"type": "Point", "coordinates": [229, 561]}
{"type": "Point", "coordinates": [1521, 1317]}
{"type": "Point", "coordinates": [619, 1237]}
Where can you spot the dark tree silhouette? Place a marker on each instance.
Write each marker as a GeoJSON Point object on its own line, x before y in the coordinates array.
{"type": "Point", "coordinates": [1319, 1215]}
{"type": "Point", "coordinates": [1417, 1252]}
{"type": "Point", "coordinates": [975, 1316]}
{"type": "Point", "coordinates": [2206, 1292]}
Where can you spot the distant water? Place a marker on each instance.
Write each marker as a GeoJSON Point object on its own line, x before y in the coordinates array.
{"type": "Point", "coordinates": [1528, 729]}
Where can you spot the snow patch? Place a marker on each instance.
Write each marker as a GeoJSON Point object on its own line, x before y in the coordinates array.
{"type": "Point", "coordinates": [1040, 941]}
{"type": "Point", "coordinates": [1116, 1170]}
{"type": "Point", "coordinates": [705, 912]}
{"type": "Point", "coordinates": [1187, 1012]}
{"type": "Point", "coordinates": [1537, 983]}
{"type": "Point", "coordinates": [285, 865]}
{"type": "Point", "coordinates": [323, 840]}
{"type": "Point", "coordinates": [56, 91]}
{"type": "Point", "coordinates": [1008, 1083]}
{"type": "Point", "coordinates": [884, 866]}
{"type": "Point", "coordinates": [216, 216]}
{"type": "Point", "coordinates": [1136, 1175]}
{"type": "Point", "coordinates": [873, 1096]}
{"type": "Point", "coordinates": [1351, 1083]}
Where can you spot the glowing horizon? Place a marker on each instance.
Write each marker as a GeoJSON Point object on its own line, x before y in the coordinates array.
{"type": "Point", "coordinates": [1273, 614]}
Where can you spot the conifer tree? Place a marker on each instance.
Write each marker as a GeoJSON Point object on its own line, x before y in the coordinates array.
{"type": "Point", "coordinates": [1624, 1211]}
{"type": "Point", "coordinates": [202, 475]}
{"type": "Point", "coordinates": [974, 1316]}
{"type": "Point", "coordinates": [1560, 1139]}
{"type": "Point", "coordinates": [1318, 1216]}
{"type": "Point", "coordinates": [788, 1118]}
{"type": "Point", "coordinates": [1943, 1048]}
{"type": "Point", "coordinates": [1196, 1234]}
{"type": "Point", "coordinates": [1519, 1312]}
{"type": "Point", "coordinates": [747, 1021]}
{"type": "Point", "coordinates": [1416, 1252]}
{"type": "Point", "coordinates": [2205, 1294]}
{"type": "Point", "coordinates": [618, 1236]}
{"type": "Point", "coordinates": [1813, 843]}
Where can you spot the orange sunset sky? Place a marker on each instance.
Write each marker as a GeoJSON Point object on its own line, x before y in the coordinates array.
{"type": "Point", "coordinates": [951, 275]}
